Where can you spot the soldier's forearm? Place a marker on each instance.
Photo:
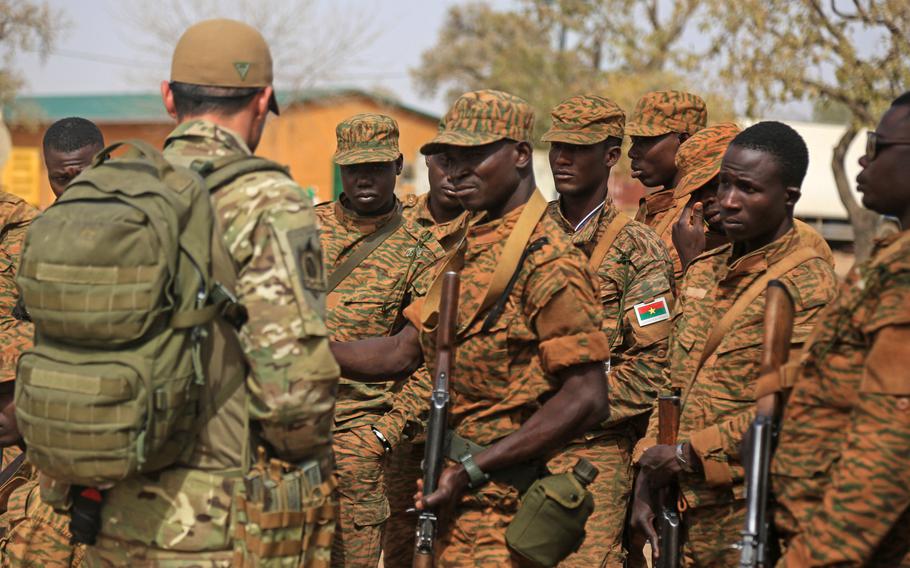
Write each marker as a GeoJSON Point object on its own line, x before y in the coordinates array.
{"type": "Point", "coordinates": [379, 358]}
{"type": "Point", "coordinates": [580, 404]}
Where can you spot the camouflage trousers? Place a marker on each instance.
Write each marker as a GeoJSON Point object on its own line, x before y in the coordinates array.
{"type": "Point", "coordinates": [35, 535]}
{"type": "Point", "coordinates": [711, 533]}
{"type": "Point", "coordinates": [477, 537]}
{"type": "Point", "coordinates": [612, 489]}
{"type": "Point", "coordinates": [402, 472]}
{"type": "Point", "coordinates": [363, 506]}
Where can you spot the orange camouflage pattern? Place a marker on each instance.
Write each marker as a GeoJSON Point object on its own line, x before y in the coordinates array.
{"type": "Point", "coordinates": [847, 501]}
{"type": "Point", "coordinates": [417, 209]}
{"type": "Point", "coordinates": [718, 401]}
{"type": "Point", "coordinates": [481, 117]}
{"type": "Point", "coordinates": [15, 335]}
{"type": "Point", "coordinates": [698, 158]}
{"type": "Point", "coordinates": [365, 138]}
{"type": "Point", "coordinates": [661, 112]}
{"type": "Point", "coordinates": [635, 269]}
{"type": "Point", "coordinates": [551, 321]}
{"type": "Point", "coordinates": [659, 211]}
{"type": "Point", "coordinates": [585, 120]}
{"type": "Point", "coordinates": [369, 303]}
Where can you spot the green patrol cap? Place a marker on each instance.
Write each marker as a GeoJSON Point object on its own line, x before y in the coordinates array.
{"type": "Point", "coordinates": [366, 138]}
{"type": "Point", "coordinates": [482, 117]}
{"type": "Point", "coordinates": [585, 120]}
{"type": "Point", "coordinates": [662, 112]}
{"type": "Point", "coordinates": [223, 53]}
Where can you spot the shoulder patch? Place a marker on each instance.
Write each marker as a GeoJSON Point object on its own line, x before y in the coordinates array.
{"type": "Point", "coordinates": [652, 312]}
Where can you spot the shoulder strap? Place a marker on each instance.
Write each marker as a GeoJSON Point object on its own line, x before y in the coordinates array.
{"type": "Point", "coordinates": [606, 240]}
{"type": "Point", "coordinates": [367, 246]}
{"type": "Point", "coordinates": [11, 470]}
{"type": "Point", "coordinates": [506, 265]}
{"type": "Point", "coordinates": [671, 216]}
{"type": "Point", "coordinates": [224, 170]}
{"type": "Point", "coordinates": [754, 290]}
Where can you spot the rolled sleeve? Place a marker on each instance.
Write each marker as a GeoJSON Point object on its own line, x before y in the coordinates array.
{"type": "Point", "coordinates": [561, 352]}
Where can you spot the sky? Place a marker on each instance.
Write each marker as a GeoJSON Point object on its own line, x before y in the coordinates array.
{"type": "Point", "coordinates": [97, 52]}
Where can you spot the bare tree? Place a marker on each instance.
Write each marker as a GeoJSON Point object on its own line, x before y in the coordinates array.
{"type": "Point", "coordinates": [310, 41]}
{"type": "Point", "coordinates": [28, 26]}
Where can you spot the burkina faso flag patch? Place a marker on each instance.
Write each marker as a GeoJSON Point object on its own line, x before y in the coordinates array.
{"type": "Point", "coordinates": [652, 312]}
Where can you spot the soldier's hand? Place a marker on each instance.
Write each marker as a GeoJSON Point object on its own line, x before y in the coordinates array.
{"type": "Point", "coordinates": [660, 464]}
{"type": "Point", "coordinates": [642, 518]}
{"type": "Point", "coordinates": [689, 233]}
{"type": "Point", "coordinates": [451, 484]}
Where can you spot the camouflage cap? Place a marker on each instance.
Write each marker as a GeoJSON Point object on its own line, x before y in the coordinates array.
{"type": "Point", "coordinates": [661, 112]}
{"type": "Point", "coordinates": [204, 57]}
{"type": "Point", "coordinates": [584, 120]}
{"type": "Point", "coordinates": [365, 138]}
{"type": "Point", "coordinates": [698, 158]}
{"type": "Point", "coordinates": [481, 117]}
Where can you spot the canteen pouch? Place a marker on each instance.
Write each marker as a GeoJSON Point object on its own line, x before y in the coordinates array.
{"type": "Point", "coordinates": [285, 516]}
{"type": "Point", "coordinates": [550, 522]}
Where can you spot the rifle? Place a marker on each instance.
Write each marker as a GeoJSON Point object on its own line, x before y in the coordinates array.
{"type": "Point", "coordinates": [668, 527]}
{"type": "Point", "coordinates": [757, 550]}
{"type": "Point", "coordinates": [437, 423]}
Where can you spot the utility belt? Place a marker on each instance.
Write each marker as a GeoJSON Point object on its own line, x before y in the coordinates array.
{"type": "Point", "coordinates": [550, 522]}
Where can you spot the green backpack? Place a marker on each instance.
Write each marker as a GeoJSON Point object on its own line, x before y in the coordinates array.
{"type": "Point", "coordinates": [117, 277]}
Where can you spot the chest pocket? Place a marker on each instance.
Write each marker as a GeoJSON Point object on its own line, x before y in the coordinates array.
{"type": "Point", "coordinates": [375, 310]}
{"type": "Point", "coordinates": [483, 361]}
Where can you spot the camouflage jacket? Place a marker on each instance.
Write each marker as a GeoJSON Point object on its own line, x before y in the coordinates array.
{"type": "Point", "coordinates": [32, 533]}
{"type": "Point", "coordinates": [636, 269]}
{"type": "Point", "coordinates": [293, 376]}
{"type": "Point", "coordinates": [15, 335]}
{"type": "Point", "coordinates": [718, 401]}
{"type": "Point", "coordinates": [370, 300]}
{"type": "Point", "coordinates": [660, 211]}
{"type": "Point", "coordinates": [416, 208]}
{"type": "Point", "coordinates": [551, 321]}
{"type": "Point", "coordinates": [840, 472]}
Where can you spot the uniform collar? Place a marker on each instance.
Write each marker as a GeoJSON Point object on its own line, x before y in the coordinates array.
{"type": "Point", "coordinates": [659, 201]}
{"type": "Point", "coordinates": [759, 260]}
{"type": "Point", "coordinates": [210, 134]}
{"type": "Point", "coordinates": [587, 230]}
{"type": "Point", "coordinates": [361, 223]}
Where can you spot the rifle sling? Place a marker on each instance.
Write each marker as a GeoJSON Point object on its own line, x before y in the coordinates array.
{"type": "Point", "coordinates": [606, 241]}
{"type": "Point", "coordinates": [745, 299]}
{"type": "Point", "coordinates": [508, 262]}
{"type": "Point", "coordinates": [366, 248]}
{"type": "Point", "coordinates": [12, 469]}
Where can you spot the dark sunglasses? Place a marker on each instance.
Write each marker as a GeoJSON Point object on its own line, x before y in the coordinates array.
{"type": "Point", "coordinates": [875, 142]}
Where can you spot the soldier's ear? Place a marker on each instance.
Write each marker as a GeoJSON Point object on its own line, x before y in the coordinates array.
{"type": "Point", "coordinates": [399, 163]}
{"type": "Point", "coordinates": [793, 195]}
{"type": "Point", "coordinates": [167, 97]}
{"type": "Point", "coordinates": [612, 155]}
{"type": "Point", "coordinates": [523, 154]}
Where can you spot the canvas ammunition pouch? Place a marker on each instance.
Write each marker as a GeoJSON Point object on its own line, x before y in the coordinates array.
{"type": "Point", "coordinates": [550, 522]}
{"type": "Point", "coordinates": [285, 515]}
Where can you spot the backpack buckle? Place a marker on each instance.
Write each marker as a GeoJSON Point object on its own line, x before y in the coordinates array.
{"type": "Point", "coordinates": [231, 310]}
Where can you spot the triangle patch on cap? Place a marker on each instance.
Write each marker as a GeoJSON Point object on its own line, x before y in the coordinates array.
{"type": "Point", "coordinates": [651, 312]}
{"type": "Point", "coordinates": [242, 68]}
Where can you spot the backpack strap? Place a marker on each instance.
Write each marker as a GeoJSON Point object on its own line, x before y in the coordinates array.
{"type": "Point", "coordinates": [223, 171]}
{"type": "Point", "coordinates": [775, 271]}
{"type": "Point", "coordinates": [606, 241]}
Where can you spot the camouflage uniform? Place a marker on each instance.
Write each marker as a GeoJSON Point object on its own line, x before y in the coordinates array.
{"type": "Point", "coordinates": [845, 502]}
{"type": "Point", "coordinates": [368, 303]}
{"type": "Point", "coordinates": [403, 467]}
{"type": "Point", "coordinates": [290, 377]}
{"type": "Point", "coordinates": [550, 322]}
{"type": "Point", "coordinates": [636, 269]}
{"type": "Point", "coordinates": [15, 335]}
{"type": "Point", "coordinates": [658, 113]}
{"type": "Point", "coordinates": [718, 400]}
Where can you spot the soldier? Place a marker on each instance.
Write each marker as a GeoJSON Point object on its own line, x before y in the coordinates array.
{"type": "Point", "coordinates": [715, 344]}
{"type": "Point", "coordinates": [699, 227]}
{"type": "Point", "coordinates": [374, 257]}
{"type": "Point", "coordinates": [634, 270]}
{"type": "Point", "coordinates": [529, 373]}
{"type": "Point", "coordinates": [840, 473]}
{"type": "Point", "coordinates": [661, 122]}
{"type": "Point", "coordinates": [69, 146]}
{"type": "Point", "coordinates": [276, 378]}
{"type": "Point", "coordinates": [439, 212]}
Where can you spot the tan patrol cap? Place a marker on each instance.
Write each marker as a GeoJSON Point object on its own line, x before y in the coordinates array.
{"type": "Point", "coordinates": [223, 53]}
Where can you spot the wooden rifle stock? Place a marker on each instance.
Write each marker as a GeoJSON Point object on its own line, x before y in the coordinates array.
{"type": "Point", "coordinates": [437, 423]}
{"type": "Point", "coordinates": [668, 522]}
{"type": "Point", "coordinates": [758, 550]}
